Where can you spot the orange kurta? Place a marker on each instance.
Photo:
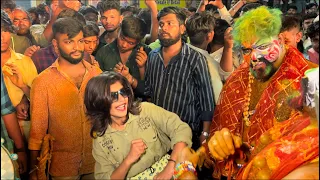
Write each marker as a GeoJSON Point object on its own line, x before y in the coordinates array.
{"type": "Point", "coordinates": [273, 105]}
{"type": "Point", "coordinates": [57, 107]}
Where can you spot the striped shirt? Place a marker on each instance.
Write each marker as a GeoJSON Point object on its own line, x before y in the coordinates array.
{"type": "Point", "coordinates": [183, 87]}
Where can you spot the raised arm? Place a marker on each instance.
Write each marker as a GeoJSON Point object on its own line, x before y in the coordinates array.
{"type": "Point", "coordinates": [152, 5]}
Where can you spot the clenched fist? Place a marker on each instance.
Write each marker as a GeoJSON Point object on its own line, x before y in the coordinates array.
{"type": "Point", "coordinates": [223, 143]}
{"type": "Point", "coordinates": [138, 147]}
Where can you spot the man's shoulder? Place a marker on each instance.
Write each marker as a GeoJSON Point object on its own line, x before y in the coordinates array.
{"type": "Point", "coordinates": [200, 51]}
{"type": "Point", "coordinates": [20, 58]}
{"type": "Point", "coordinates": [45, 77]}
{"type": "Point", "coordinates": [105, 50]}
{"type": "Point", "coordinates": [94, 70]}
{"type": "Point", "coordinates": [188, 50]}
{"type": "Point", "coordinates": [43, 53]}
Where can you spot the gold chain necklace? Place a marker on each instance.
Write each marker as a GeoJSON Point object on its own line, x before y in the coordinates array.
{"type": "Point", "coordinates": [246, 112]}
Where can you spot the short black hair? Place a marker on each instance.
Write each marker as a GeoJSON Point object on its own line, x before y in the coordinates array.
{"type": "Point", "coordinates": [10, 4]}
{"type": "Point", "coordinates": [6, 23]}
{"type": "Point", "coordinates": [88, 9]}
{"type": "Point", "coordinates": [48, 2]}
{"type": "Point", "coordinates": [198, 26]}
{"type": "Point", "coordinates": [133, 27]}
{"type": "Point", "coordinates": [72, 13]}
{"type": "Point", "coordinates": [289, 22]}
{"type": "Point", "coordinates": [309, 16]}
{"type": "Point", "coordinates": [41, 8]}
{"type": "Point", "coordinates": [192, 9]}
{"type": "Point", "coordinates": [310, 5]}
{"type": "Point", "coordinates": [67, 25]}
{"type": "Point", "coordinates": [210, 7]}
{"type": "Point", "coordinates": [181, 16]}
{"type": "Point", "coordinates": [220, 27]}
{"type": "Point", "coordinates": [108, 5]}
{"type": "Point", "coordinates": [131, 9]}
{"type": "Point", "coordinates": [33, 10]}
{"type": "Point", "coordinates": [292, 7]}
{"type": "Point", "coordinates": [91, 29]}
{"type": "Point", "coordinates": [145, 14]}
{"type": "Point", "coordinates": [313, 30]}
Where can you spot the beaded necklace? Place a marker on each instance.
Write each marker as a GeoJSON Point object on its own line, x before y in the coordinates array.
{"type": "Point", "coordinates": [246, 112]}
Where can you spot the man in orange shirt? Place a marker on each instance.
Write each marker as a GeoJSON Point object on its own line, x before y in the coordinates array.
{"type": "Point", "coordinates": [57, 107]}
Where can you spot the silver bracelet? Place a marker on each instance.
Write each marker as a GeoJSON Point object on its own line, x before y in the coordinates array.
{"type": "Point", "coordinates": [36, 168]}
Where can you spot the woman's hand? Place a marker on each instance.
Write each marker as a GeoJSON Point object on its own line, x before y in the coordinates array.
{"type": "Point", "coordinates": [137, 148]}
{"type": "Point", "coordinates": [167, 172]}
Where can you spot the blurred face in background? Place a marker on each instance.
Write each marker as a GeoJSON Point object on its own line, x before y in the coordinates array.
{"type": "Point", "coordinates": [291, 37]}
{"type": "Point", "coordinates": [90, 44]}
{"type": "Point", "coordinates": [5, 40]}
{"type": "Point", "coordinates": [292, 11]}
{"type": "Point", "coordinates": [111, 20]}
{"type": "Point", "coordinates": [22, 21]}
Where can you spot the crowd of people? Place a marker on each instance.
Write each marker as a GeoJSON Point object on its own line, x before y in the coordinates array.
{"type": "Point", "coordinates": [111, 92]}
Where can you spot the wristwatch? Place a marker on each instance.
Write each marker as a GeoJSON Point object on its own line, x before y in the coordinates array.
{"type": "Point", "coordinates": [205, 134]}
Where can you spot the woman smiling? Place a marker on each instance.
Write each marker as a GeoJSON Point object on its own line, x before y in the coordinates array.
{"type": "Point", "coordinates": [132, 139]}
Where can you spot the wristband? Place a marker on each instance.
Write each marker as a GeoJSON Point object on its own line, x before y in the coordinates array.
{"type": "Point", "coordinates": [185, 166]}
{"type": "Point", "coordinates": [172, 160]}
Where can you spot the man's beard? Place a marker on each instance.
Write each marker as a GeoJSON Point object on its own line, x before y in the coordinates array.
{"type": "Point", "coordinates": [263, 74]}
{"type": "Point", "coordinates": [168, 42]}
{"type": "Point", "coordinates": [23, 32]}
{"type": "Point", "coordinates": [111, 30]}
{"type": "Point", "coordinates": [69, 58]}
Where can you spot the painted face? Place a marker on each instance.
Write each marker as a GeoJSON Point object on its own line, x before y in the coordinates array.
{"type": "Point", "coordinates": [90, 44]}
{"type": "Point", "coordinates": [119, 107]}
{"type": "Point", "coordinates": [21, 20]}
{"type": "Point", "coordinates": [111, 20]}
{"type": "Point", "coordinates": [125, 44]}
{"type": "Point", "coordinates": [5, 40]}
{"type": "Point", "coordinates": [291, 37]}
{"type": "Point", "coordinates": [71, 49]}
{"type": "Point", "coordinates": [170, 30]}
{"type": "Point", "coordinates": [262, 56]}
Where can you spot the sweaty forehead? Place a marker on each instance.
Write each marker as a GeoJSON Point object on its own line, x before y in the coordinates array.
{"type": "Point", "coordinates": [258, 42]}
{"type": "Point", "coordinates": [19, 13]}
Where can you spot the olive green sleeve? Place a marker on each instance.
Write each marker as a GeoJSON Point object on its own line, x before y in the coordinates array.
{"type": "Point", "coordinates": [103, 167]}
{"type": "Point", "coordinates": [169, 123]}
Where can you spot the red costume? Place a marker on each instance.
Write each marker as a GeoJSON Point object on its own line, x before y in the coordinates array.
{"type": "Point", "coordinates": [272, 106]}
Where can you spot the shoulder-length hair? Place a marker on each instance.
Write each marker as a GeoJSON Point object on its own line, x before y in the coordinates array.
{"type": "Point", "coordinates": [98, 100]}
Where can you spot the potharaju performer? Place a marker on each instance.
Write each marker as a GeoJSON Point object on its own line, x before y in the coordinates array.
{"type": "Point", "coordinates": [260, 128]}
